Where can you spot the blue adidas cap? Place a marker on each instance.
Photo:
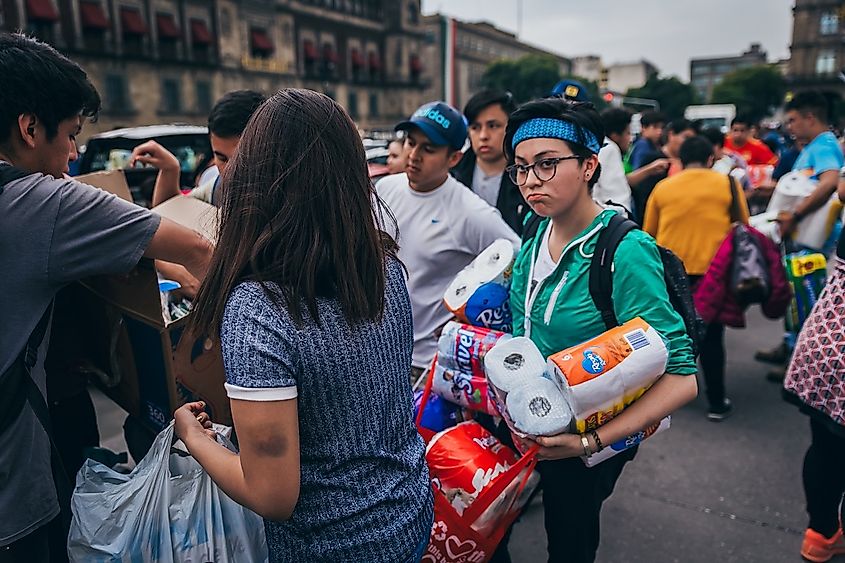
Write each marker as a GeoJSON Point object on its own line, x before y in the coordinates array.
{"type": "Point", "coordinates": [441, 123]}
{"type": "Point", "coordinates": [571, 90]}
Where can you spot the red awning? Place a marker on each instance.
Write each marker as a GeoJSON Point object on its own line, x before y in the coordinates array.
{"type": "Point", "coordinates": [357, 58]}
{"type": "Point", "coordinates": [375, 61]}
{"type": "Point", "coordinates": [132, 22]}
{"type": "Point", "coordinates": [261, 41]}
{"type": "Point", "coordinates": [200, 35]}
{"type": "Point", "coordinates": [42, 10]}
{"type": "Point", "coordinates": [416, 64]}
{"type": "Point", "coordinates": [309, 50]}
{"type": "Point", "coordinates": [329, 54]}
{"type": "Point", "coordinates": [93, 16]}
{"type": "Point", "coordinates": [167, 27]}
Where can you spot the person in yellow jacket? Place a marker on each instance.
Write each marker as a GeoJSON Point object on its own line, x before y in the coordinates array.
{"type": "Point", "coordinates": [691, 214]}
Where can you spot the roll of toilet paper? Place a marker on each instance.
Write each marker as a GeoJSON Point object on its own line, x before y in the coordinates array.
{"type": "Point", "coordinates": [609, 372]}
{"type": "Point", "coordinates": [479, 293]}
{"type": "Point", "coordinates": [538, 408]}
{"type": "Point", "coordinates": [512, 362]}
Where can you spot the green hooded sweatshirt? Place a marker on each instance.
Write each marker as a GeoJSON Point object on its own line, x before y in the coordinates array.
{"type": "Point", "coordinates": [562, 314]}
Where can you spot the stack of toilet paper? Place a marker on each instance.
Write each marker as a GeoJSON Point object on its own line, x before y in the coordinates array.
{"type": "Point", "coordinates": [530, 402]}
{"type": "Point", "coordinates": [601, 377]}
{"type": "Point", "coordinates": [458, 375]}
{"type": "Point", "coordinates": [479, 293]}
{"type": "Point", "coordinates": [466, 459]}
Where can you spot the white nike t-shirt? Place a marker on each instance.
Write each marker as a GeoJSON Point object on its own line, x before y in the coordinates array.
{"type": "Point", "coordinates": [440, 233]}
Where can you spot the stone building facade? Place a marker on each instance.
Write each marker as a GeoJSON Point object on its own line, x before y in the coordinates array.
{"type": "Point", "coordinates": [167, 61]}
{"type": "Point", "coordinates": [706, 73]}
{"type": "Point", "coordinates": [818, 46]}
{"type": "Point", "coordinates": [458, 53]}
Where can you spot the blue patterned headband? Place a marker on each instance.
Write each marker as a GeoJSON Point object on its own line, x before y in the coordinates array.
{"type": "Point", "coordinates": [548, 128]}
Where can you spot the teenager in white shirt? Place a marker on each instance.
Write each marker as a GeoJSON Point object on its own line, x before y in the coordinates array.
{"type": "Point", "coordinates": [442, 225]}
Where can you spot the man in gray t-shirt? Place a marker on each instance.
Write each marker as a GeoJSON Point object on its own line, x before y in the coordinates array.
{"type": "Point", "coordinates": [54, 231]}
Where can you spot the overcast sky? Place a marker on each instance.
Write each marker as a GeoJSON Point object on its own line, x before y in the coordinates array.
{"type": "Point", "coordinates": [666, 32]}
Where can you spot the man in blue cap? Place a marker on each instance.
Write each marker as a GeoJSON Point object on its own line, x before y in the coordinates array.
{"type": "Point", "coordinates": [442, 225]}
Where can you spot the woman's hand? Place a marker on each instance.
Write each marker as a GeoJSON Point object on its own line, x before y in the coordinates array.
{"type": "Point", "coordinates": [562, 446]}
{"type": "Point", "coordinates": [192, 420]}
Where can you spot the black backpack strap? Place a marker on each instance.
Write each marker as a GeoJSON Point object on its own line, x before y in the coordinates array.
{"type": "Point", "coordinates": [601, 267]}
{"type": "Point", "coordinates": [530, 226]}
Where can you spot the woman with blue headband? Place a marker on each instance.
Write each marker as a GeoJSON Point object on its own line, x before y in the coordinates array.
{"type": "Point", "coordinates": [553, 146]}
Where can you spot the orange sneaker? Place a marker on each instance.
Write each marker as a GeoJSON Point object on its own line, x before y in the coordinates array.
{"type": "Point", "coordinates": [818, 548]}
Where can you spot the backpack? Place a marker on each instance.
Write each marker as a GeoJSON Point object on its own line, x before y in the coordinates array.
{"type": "Point", "coordinates": [17, 388]}
{"type": "Point", "coordinates": [601, 276]}
{"type": "Point", "coordinates": [750, 281]}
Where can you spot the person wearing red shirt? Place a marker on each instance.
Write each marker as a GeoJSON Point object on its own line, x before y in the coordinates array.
{"type": "Point", "coordinates": [741, 142]}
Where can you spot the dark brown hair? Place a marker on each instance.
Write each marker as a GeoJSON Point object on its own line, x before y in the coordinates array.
{"type": "Point", "coordinates": [298, 210]}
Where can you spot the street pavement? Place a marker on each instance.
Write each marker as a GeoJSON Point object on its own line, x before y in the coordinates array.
{"type": "Point", "coordinates": [702, 492]}
{"type": "Point", "coordinates": [707, 492]}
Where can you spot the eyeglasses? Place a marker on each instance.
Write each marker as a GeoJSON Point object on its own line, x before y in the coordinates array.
{"type": "Point", "coordinates": [544, 169]}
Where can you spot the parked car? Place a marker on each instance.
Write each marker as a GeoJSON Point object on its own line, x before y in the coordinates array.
{"type": "Point", "coordinates": [377, 162]}
{"type": "Point", "coordinates": [111, 151]}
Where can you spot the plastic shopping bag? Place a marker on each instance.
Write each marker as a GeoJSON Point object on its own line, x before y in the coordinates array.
{"type": "Point", "coordinates": [167, 510]}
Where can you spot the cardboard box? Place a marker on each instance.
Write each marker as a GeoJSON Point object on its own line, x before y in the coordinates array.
{"type": "Point", "coordinates": [161, 365]}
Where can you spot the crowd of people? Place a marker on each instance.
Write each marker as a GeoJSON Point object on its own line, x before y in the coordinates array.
{"type": "Point", "coordinates": [324, 287]}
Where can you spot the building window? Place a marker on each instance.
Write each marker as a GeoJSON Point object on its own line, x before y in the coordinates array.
{"type": "Point", "coordinates": [201, 40]}
{"type": "Point", "coordinates": [416, 67]}
{"type": "Point", "coordinates": [116, 98]}
{"type": "Point", "coordinates": [374, 64]}
{"type": "Point", "coordinates": [171, 96]}
{"type": "Point", "coordinates": [94, 24]}
{"type": "Point", "coordinates": [829, 23]}
{"type": "Point", "coordinates": [413, 13]}
{"type": "Point", "coordinates": [329, 60]}
{"type": "Point", "coordinates": [169, 35]}
{"type": "Point", "coordinates": [353, 105]}
{"type": "Point", "coordinates": [373, 105]}
{"type": "Point", "coordinates": [826, 62]}
{"type": "Point", "coordinates": [309, 56]}
{"type": "Point", "coordinates": [261, 46]}
{"type": "Point", "coordinates": [41, 17]}
{"type": "Point", "coordinates": [134, 29]}
{"type": "Point", "coordinates": [357, 62]}
{"type": "Point", "coordinates": [203, 91]}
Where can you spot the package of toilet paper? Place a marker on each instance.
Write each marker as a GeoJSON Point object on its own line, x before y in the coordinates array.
{"type": "Point", "coordinates": [479, 293]}
{"type": "Point", "coordinates": [530, 402]}
{"type": "Point", "coordinates": [629, 442]}
{"type": "Point", "coordinates": [602, 376]}
{"type": "Point", "coordinates": [458, 375]}
{"type": "Point", "coordinates": [439, 414]}
{"type": "Point", "coordinates": [466, 460]}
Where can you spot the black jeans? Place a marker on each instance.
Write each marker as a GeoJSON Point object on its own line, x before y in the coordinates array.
{"type": "Point", "coordinates": [572, 498]}
{"type": "Point", "coordinates": [824, 478]}
{"type": "Point", "coordinates": [712, 358]}
{"type": "Point", "coordinates": [47, 544]}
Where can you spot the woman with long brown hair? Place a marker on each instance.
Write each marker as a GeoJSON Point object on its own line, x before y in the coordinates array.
{"type": "Point", "coordinates": [316, 331]}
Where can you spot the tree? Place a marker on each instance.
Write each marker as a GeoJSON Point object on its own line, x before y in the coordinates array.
{"type": "Point", "coordinates": [527, 78]}
{"type": "Point", "coordinates": [673, 95]}
{"type": "Point", "coordinates": [755, 91]}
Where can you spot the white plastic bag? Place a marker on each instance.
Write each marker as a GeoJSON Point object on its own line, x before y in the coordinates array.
{"type": "Point", "coordinates": [167, 510]}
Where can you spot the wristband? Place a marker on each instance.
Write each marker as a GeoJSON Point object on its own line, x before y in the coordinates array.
{"type": "Point", "coordinates": [586, 445]}
{"type": "Point", "coordinates": [596, 438]}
